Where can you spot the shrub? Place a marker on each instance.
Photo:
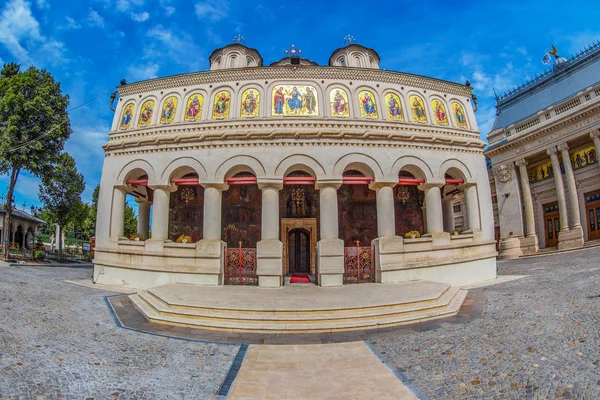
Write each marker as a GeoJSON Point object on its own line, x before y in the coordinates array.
{"type": "Point", "coordinates": [412, 235]}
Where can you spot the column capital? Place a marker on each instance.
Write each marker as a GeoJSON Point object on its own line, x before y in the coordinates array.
{"type": "Point", "coordinates": [552, 150]}
{"type": "Point", "coordinates": [124, 188]}
{"type": "Point", "coordinates": [270, 184]}
{"type": "Point", "coordinates": [336, 184]}
{"type": "Point", "coordinates": [595, 134]}
{"type": "Point", "coordinates": [166, 188]}
{"type": "Point", "coordinates": [562, 147]}
{"type": "Point", "coordinates": [521, 162]}
{"type": "Point", "coordinates": [431, 184]}
{"type": "Point", "coordinates": [219, 186]}
{"type": "Point", "coordinates": [378, 185]}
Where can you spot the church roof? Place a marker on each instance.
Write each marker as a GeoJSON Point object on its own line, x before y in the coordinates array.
{"type": "Point", "coordinates": [553, 86]}
{"type": "Point", "coordinates": [22, 215]}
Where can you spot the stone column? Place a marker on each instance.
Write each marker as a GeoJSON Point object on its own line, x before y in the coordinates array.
{"type": "Point", "coordinates": [560, 190]}
{"type": "Point", "coordinates": [448, 209]}
{"type": "Point", "coordinates": [571, 187]}
{"type": "Point", "coordinates": [269, 251]}
{"type": "Point", "coordinates": [530, 243]}
{"type": "Point", "coordinates": [117, 217]}
{"type": "Point", "coordinates": [143, 218]}
{"type": "Point", "coordinates": [433, 203]}
{"type": "Point", "coordinates": [212, 213]}
{"type": "Point", "coordinates": [330, 248]}
{"type": "Point", "coordinates": [472, 206]}
{"type": "Point", "coordinates": [386, 223]}
{"type": "Point", "coordinates": [595, 135]}
{"type": "Point", "coordinates": [160, 212]}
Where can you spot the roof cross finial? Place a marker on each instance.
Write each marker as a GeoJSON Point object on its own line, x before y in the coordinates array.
{"type": "Point", "coordinates": [293, 51]}
{"type": "Point", "coordinates": [239, 39]}
{"type": "Point", "coordinates": [349, 39]}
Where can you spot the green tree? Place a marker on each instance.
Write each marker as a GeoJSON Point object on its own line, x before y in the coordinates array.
{"type": "Point", "coordinates": [90, 221]}
{"type": "Point", "coordinates": [60, 192]}
{"type": "Point", "coordinates": [77, 226]}
{"type": "Point", "coordinates": [130, 226]}
{"type": "Point", "coordinates": [34, 126]}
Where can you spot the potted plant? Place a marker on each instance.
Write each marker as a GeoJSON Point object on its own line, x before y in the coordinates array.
{"type": "Point", "coordinates": [412, 235]}
{"type": "Point", "coordinates": [137, 237]}
{"type": "Point", "coordinates": [184, 239]}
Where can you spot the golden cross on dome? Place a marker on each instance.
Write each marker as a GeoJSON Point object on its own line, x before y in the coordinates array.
{"type": "Point", "coordinates": [349, 39]}
{"type": "Point", "coordinates": [293, 51]}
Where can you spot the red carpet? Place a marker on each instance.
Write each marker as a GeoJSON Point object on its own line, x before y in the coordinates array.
{"type": "Point", "coordinates": [300, 278]}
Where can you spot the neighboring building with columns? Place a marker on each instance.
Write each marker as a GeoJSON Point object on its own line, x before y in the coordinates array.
{"type": "Point", "coordinates": [250, 173]}
{"type": "Point", "coordinates": [544, 149]}
{"type": "Point", "coordinates": [23, 230]}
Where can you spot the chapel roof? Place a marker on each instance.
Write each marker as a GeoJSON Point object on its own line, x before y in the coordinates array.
{"type": "Point", "coordinates": [22, 215]}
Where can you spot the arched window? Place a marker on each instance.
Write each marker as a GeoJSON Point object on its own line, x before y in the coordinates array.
{"type": "Point", "coordinates": [232, 61]}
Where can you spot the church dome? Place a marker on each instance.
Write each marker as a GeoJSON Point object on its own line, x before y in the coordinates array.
{"type": "Point", "coordinates": [354, 56]}
{"type": "Point", "coordinates": [235, 56]}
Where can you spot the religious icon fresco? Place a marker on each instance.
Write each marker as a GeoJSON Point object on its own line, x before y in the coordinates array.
{"type": "Point", "coordinates": [221, 105]}
{"type": "Point", "coordinates": [418, 109]}
{"type": "Point", "coordinates": [294, 100]}
{"type": "Point", "coordinates": [186, 212]}
{"type": "Point", "coordinates": [250, 103]}
{"type": "Point", "coordinates": [584, 157]}
{"type": "Point", "coordinates": [540, 172]}
{"type": "Point", "coordinates": [146, 113]}
{"type": "Point", "coordinates": [394, 107]}
{"type": "Point", "coordinates": [193, 108]}
{"type": "Point", "coordinates": [368, 106]}
{"type": "Point", "coordinates": [459, 114]}
{"type": "Point", "coordinates": [338, 98]}
{"type": "Point", "coordinates": [439, 111]}
{"type": "Point", "coordinates": [168, 112]}
{"type": "Point", "coordinates": [127, 116]}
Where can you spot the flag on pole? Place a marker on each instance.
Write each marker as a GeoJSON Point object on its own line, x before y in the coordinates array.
{"type": "Point", "coordinates": [546, 58]}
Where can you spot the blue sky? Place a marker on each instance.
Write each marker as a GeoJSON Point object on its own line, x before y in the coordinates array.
{"type": "Point", "coordinates": [90, 45]}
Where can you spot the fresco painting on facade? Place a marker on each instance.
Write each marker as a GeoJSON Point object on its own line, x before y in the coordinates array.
{"type": "Point", "coordinates": [441, 118]}
{"type": "Point", "coordinates": [394, 107]}
{"type": "Point", "coordinates": [459, 115]}
{"type": "Point", "coordinates": [368, 106]}
{"type": "Point", "coordinates": [338, 99]}
{"type": "Point", "coordinates": [127, 117]}
{"type": "Point", "coordinates": [222, 105]}
{"type": "Point", "coordinates": [584, 157]}
{"type": "Point", "coordinates": [418, 109]}
{"type": "Point", "coordinates": [540, 172]}
{"type": "Point", "coordinates": [146, 113]}
{"type": "Point", "coordinates": [294, 100]}
{"type": "Point", "coordinates": [250, 103]}
{"type": "Point", "coordinates": [193, 109]}
{"type": "Point", "coordinates": [168, 112]}
{"type": "Point", "coordinates": [186, 213]}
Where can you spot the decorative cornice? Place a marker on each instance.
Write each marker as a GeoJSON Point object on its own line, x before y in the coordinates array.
{"type": "Point", "coordinates": [294, 72]}
{"type": "Point", "coordinates": [174, 147]}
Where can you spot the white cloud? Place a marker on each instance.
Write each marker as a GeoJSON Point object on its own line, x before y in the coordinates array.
{"type": "Point", "coordinates": [95, 19]}
{"type": "Point", "coordinates": [140, 17]}
{"type": "Point", "coordinates": [143, 72]}
{"type": "Point", "coordinates": [42, 4]}
{"type": "Point", "coordinates": [212, 9]}
{"type": "Point", "coordinates": [20, 31]}
{"type": "Point", "coordinates": [166, 5]}
{"type": "Point", "coordinates": [169, 46]}
{"type": "Point", "coordinates": [125, 5]}
{"type": "Point", "coordinates": [71, 23]}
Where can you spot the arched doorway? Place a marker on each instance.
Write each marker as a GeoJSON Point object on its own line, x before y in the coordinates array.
{"type": "Point", "coordinates": [299, 251]}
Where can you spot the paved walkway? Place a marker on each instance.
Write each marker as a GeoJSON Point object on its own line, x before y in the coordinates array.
{"type": "Point", "coordinates": [532, 338]}
{"type": "Point", "coordinates": [331, 371]}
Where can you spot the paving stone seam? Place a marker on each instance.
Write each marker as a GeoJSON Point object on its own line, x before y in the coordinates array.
{"type": "Point", "coordinates": [121, 325]}
{"type": "Point", "coordinates": [233, 371]}
{"type": "Point", "coordinates": [405, 381]}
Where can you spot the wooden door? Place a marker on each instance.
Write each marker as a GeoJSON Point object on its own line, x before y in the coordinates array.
{"type": "Point", "coordinates": [552, 224]}
{"type": "Point", "coordinates": [592, 210]}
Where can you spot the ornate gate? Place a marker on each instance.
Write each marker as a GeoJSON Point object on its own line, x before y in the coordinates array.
{"type": "Point", "coordinates": [359, 264]}
{"type": "Point", "coordinates": [240, 266]}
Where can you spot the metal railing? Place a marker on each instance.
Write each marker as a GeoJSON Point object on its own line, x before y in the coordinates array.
{"type": "Point", "coordinates": [359, 264]}
{"type": "Point", "coordinates": [240, 266]}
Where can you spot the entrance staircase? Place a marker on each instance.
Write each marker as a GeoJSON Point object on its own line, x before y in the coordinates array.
{"type": "Point", "coordinates": [294, 309]}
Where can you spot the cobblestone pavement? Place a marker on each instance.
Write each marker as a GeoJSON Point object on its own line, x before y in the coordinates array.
{"type": "Point", "coordinates": [538, 338]}
{"type": "Point", "coordinates": [59, 340]}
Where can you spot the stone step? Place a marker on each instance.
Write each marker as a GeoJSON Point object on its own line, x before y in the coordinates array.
{"type": "Point", "coordinates": [294, 317]}
{"type": "Point", "coordinates": [262, 326]}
